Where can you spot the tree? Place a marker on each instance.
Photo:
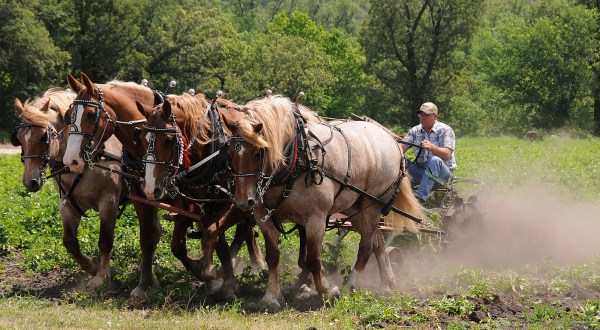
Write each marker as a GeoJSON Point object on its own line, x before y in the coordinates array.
{"type": "Point", "coordinates": [30, 62]}
{"type": "Point", "coordinates": [541, 62]}
{"type": "Point", "coordinates": [410, 46]}
{"type": "Point", "coordinates": [595, 62]}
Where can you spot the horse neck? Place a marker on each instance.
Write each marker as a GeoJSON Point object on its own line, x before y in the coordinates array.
{"type": "Point", "coordinates": [122, 102]}
{"type": "Point", "coordinates": [57, 150]}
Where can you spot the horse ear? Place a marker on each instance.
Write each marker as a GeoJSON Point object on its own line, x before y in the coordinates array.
{"type": "Point", "coordinates": [166, 110]}
{"type": "Point", "coordinates": [158, 99]}
{"type": "Point", "coordinates": [46, 106]}
{"type": "Point", "coordinates": [88, 83]}
{"type": "Point", "coordinates": [19, 106]}
{"type": "Point", "coordinates": [74, 84]}
{"type": "Point", "coordinates": [140, 108]}
{"type": "Point", "coordinates": [257, 127]}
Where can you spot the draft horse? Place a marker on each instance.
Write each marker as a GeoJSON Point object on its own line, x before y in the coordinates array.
{"type": "Point", "coordinates": [43, 142]}
{"type": "Point", "coordinates": [99, 111]}
{"type": "Point", "coordinates": [287, 165]}
{"type": "Point", "coordinates": [185, 130]}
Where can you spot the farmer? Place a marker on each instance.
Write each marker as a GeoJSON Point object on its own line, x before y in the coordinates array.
{"type": "Point", "coordinates": [436, 158]}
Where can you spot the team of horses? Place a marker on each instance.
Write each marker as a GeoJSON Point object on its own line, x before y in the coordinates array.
{"type": "Point", "coordinates": [266, 162]}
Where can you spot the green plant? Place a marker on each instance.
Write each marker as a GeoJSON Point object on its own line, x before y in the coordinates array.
{"type": "Point", "coordinates": [456, 306]}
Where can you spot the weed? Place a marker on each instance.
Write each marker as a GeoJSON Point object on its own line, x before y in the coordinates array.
{"type": "Point", "coordinates": [454, 306]}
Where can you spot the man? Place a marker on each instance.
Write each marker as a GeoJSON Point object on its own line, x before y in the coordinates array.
{"type": "Point", "coordinates": [436, 141]}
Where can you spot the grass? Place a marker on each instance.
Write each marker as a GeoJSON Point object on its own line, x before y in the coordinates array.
{"type": "Point", "coordinates": [31, 225]}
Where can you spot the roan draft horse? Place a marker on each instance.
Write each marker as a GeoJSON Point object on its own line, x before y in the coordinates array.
{"type": "Point", "coordinates": [43, 142]}
{"type": "Point", "coordinates": [182, 131]}
{"type": "Point", "coordinates": [289, 166]}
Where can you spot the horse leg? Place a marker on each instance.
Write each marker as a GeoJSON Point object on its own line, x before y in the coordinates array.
{"type": "Point", "coordinates": [71, 220]}
{"type": "Point", "coordinates": [367, 230]}
{"type": "Point", "coordinates": [305, 279]}
{"type": "Point", "coordinates": [108, 217]}
{"type": "Point", "coordinates": [149, 237]}
{"type": "Point", "coordinates": [315, 230]}
{"type": "Point", "coordinates": [214, 236]}
{"type": "Point", "coordinates": [273, 296]}
{"type": "Point", "coordinates": [386, 275]}
{"type": "Point", "coordinates": [179, 246]}
{"type": "Point", "coordinates": [241, 231]}
{"type": "Point", "coordinates": [257, 260]}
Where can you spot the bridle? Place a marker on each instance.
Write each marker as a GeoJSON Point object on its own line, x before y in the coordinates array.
{"type": "Point", "coordinates": [151, 158]}
{"type": "Point", "coordinates": [260, 187]}
{"type": "Point", "coordinates": [89, 149]}
{"type": "Point", "coordinates": [51, 133]}
{"type": "Point", "coordinates": [73, 129]}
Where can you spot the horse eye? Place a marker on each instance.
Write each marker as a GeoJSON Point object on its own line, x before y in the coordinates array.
{"type": "Point", "coordinates": [44, 138]}
{"type": "Point", "coordinates": [168, 141]}
{"type": "Point", "coordinates": [91, 115]}
{"type": "Point", "coordinates": [257, 155]}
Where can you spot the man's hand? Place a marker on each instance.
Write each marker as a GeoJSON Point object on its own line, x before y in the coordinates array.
{"type": "Point", "coordinates": [442, 152]}
{"type": "Point", "coordinates": [427, 145]}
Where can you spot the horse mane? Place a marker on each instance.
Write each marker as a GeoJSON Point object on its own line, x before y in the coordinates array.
{"type": "Point", "coordinates": [59, 97]}
{"type": "Point", "coordinates": [193, 109]}
{"type": "Point", "coordinates": [275, 114]}
{"type": "Point", "coordinates": [127, 85]}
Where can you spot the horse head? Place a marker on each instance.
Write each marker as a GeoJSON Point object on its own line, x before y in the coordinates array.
{"type": "Point", "coordinates": [248, 163]}
{"type": "Point", "coordinates": [163, 142]}
{"type": "Point", "coordinates": [88, 122]}
{"type": "Point", "coordinates": [39, 134]}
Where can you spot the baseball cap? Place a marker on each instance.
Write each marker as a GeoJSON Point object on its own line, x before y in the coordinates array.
{"type": "Point", "coordinates": [428, 108]}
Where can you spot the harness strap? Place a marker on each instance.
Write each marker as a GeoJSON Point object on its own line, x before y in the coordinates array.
{"type": "Point", "coordinates": [344, 184]}
{"type": "Point", "coordinates": [371, 197]}
{"type": "Point", "coordinates": [69, 195]}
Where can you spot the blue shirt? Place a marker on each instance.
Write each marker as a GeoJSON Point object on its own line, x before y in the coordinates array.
{"type": "Point", "coordinates": [440, 134]}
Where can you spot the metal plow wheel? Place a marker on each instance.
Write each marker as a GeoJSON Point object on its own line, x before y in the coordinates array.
{"type": "Point", "coordinates": [462, 222]}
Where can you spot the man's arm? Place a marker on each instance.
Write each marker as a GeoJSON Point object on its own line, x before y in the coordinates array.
{"type": "Point", "coordinates": [447, 144]}
{"type": "Point", "coordinates": [442, 152]}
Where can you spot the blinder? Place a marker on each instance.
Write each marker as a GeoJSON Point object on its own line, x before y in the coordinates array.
{"type": "Point", "coordinates": [13, 139]}
{"type": "Point", "coordinates": [137, 139]}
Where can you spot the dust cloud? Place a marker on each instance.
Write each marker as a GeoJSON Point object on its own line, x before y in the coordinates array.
{"type": "Point", "coordinates": [530, 225]}
{"type": "Point", "coordinates": [524, 228]}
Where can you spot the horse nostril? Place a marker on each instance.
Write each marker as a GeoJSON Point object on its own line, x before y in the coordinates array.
{"type": "Point", "coordinates": [251, 202]}
{"type": "Point", "coordinates": [157, 192]}
{"type": "Point", "coordinates": [34, 185]}
{"type": "Point", "coordinates": [74, 162]}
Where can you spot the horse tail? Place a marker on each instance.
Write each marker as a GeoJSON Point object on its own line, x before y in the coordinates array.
{"type": "Point", "coordinates": [408, 203]}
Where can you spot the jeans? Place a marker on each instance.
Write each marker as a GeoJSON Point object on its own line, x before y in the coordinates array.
{"type": "Point", "coordinates": [437, 167]}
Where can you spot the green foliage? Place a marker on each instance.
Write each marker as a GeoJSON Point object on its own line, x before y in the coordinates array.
{"type": "Point", "coordinates": [539, 61]}
{"type": "Point", "coordinates": [30, 61]}
{"type": "Point", "coordinates": [412, 48]}
{"type": "Point", "coordinates": [363, 308]}
{"type": "Point", "coordinates": [456, 306]}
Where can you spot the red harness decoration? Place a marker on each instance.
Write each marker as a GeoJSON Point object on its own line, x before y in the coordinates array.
{"type": "Point", "coordinates": [185, 163]}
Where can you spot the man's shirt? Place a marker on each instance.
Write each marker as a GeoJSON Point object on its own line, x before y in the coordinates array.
{"type": "Point", "coordinates": [440, 134]}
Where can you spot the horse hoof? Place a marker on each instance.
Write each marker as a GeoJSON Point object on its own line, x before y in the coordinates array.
{"type": "Point", "coordinates": [270, 302]}
{"type": "Point", "coordinates": [94, 283]}
{"type": "Point", "coordinates": [212, 287]}
{"type": "Point", "coordinates": [139, 293]}
{"type": "Point", "coordinates": [305, 289]}
{"type": "Point", "coordinates": [332, 294]}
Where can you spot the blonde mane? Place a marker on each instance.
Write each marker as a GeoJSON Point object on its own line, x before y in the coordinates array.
{"type": "Point", "coordinates": [275, 114]}
{"type": "Point", "coordinates": [60, 99]}
{"type": "Point", "coordinates": [193, 109]}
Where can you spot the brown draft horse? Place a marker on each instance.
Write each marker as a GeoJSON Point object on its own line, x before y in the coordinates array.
{"type": "Point", "coordinates": [41, 138]}
{"type": "Point", "coordinates": [92, 121]}
{"type": "Point", "coordinates": [189, 127]}
{"type": "Point", "coordinates": [360, 154]}
{"type": "Point", "coordinates": [99, 111]}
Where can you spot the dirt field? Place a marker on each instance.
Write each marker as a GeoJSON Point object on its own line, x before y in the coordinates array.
{"type": "Point", "coordinates": [8, 149]}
